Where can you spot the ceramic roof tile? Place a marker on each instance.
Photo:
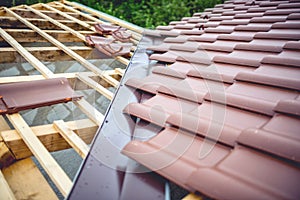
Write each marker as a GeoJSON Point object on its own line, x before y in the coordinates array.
{"type": "Point", "coordinates": [194, 31]}
{"type": "Point", "coordinates": [261, 9]}
{"type": "Point", "coordinates": [294, 16]}
{"type": "Point", "coordinates": [225, 72]}
{"type": "Point", "coordinates": [292, 45]}
{"type": "Point", "coordinates": [206, 37]}
{"type": "Point", "coordinates": [170, 56]}
{"type": "Point", "coordinates": [289, 5]}
{"type": "Point", "coordinates": [247, 15]}
{"type": "Point", "coordinates": [221, 45]}
{"type": "Point", "coordinates": [234, 12]}
{"type": "Point", "coordinates": [235, 22]}
{"type": "Point", "coordinates": [20, 96]}
{"type": "Point", "coordinates": [254, 27]}
{"type": "Point", "coordinates": [178, 39]}
{"type": "Point", "coordinates": [184, 67]}
{"type": "Point", "coordinates": [268, 19]}
{"type": "Point", "coordinates": [226, 128]}
{"type": "Point", "coordinates": [262, 45]}
{"type": "Point", "coordinates": [271, 3]}
{"type": "Point", "coordinates": [278, 183]}
{"type": "Point", "coordinates": [235, 86]}
{"type": "Point", "coordinates": [241, 57]}
{"type": "Point", "coordinates": [219, 29]}
{"type": "Point", "coordinates": [286, 57]}
{"type": "Point", "coordinates": [152, 82]}
{"type": "Point", "coordinates": [184, 26]}
{"type": "Point", "coordinates": [187, 46]}
{"type": "Point", "coordinates": [282, 11]}
{"type": "Point", "coordinates": [259, 98]}
{"type": "Point", "coordinates": [244, 36]}
{"type": "Point", "coordinates": [164, 166]}
{"type": "Point", "coordinates": [200, 56]}
{"type": "Point", "coordinates": [287, 34]}
{"type": "Point", "coordinates": [164, 47]}
{"type": "Point", "coordinates": [279, 136]}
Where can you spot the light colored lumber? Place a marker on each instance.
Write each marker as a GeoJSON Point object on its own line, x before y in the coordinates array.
{"type": "Point", "coordinates": [70, 136]}
{"type": "Point", "coordinates": [93, 84]}
{"type": "Point", "coordinates": [49, 136]}
{"type": "Point", "coordinates": [28, 56]}
{"type": "Point", "coordinates": [120, 71]}
{"type": "Point", "coordinates": [3, 125]}
{"type": "Point", "coordinates": [62, 26]}
{"type": "Point", "coordinates": [80, 13]}
{"type": "Point", "coordinates": [69, 17]}
{"type": "Point", "coordinates": [90, 111]}
{"type": "Point", "coordinates": [52, 54]}
{"type": "Point", "coordinates": [68, 51]}
{"type": "Point", "coordinates": [5, 191]}
{"type": "Point", "coordinates": [55, 172]}
{"type": "Point", "coordinates": [84, 24]}
{"type": "Point", "coordinates": [11, 22]}
{"type": "Point", "coordinates": [6, 157]}
{"type": "Point", "coordinates": [27, 182]}
{"type": "Point", "coordinates": [26, 35]}
{"type": "Point", "coordinates": [192, 196]}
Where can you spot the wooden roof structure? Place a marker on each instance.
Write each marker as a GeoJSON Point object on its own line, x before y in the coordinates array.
{"type": "Point", "coordinates": [37, 35]}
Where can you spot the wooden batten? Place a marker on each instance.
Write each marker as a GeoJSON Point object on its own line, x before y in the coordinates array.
{"type": "Point", "coordinates": [26, 35]}
{"type": "Point", "coordinates": [49, 137]}
{"type": "Point", "coordinates": [11, 22]}
{"type": "Point", "coordinates": [26, 181]}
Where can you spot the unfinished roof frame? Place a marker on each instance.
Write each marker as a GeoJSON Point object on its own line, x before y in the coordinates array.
{"type": "Point", "coordinates": [74, 134]}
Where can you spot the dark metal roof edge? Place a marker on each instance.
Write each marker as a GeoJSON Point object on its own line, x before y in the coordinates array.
{"type": "Point", "coordinates": [138, 68]}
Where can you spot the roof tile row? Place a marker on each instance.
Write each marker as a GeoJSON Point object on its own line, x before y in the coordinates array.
{"type": "Point", "coordinates": [228, 101]}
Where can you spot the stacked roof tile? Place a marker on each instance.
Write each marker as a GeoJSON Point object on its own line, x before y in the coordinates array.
{"type": "Point", "coordinates": [225, 92]}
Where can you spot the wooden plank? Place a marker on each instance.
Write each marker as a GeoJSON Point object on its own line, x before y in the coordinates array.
{"type": "Point", "coordinates": [87, 16]}
{"type": "Point", "coordinates": [84, 24]}
{"type": "Point", "coordinates": [5, 191]}
{"type": "Point", "coordinates": [27, 14]}
{"type": "Point", "coordinates": [11, 22]}
{"type": "Point", "coordinates": [70, 136]}
{"type": "Point", "coordinates": [28, 56]}
{"type": "Point", "coordinates": [192, 196]}
{"type": "Point", "coordinates": [6, 157]}
{"type": "Point", "coordinates": [26, 35]}
{"type": "Point", "coordinates": [49, 136]}
{"type": "Point", "coordinates": [90, 111]}
{"type": "Point", "coordinates": [60, 25]}
{"type": "Point", "coordinates": [27, 182]}
{"type": "Point", "coordinates": [69, 17]}
{"type": "Point", "coordinates": [55, 172]}
{"type": "Point", "coordinates": [93, 84]}
{"type": "Point", "coordinates": [52, 54]}
{"type": "Point", "coordinates": [68, 51]}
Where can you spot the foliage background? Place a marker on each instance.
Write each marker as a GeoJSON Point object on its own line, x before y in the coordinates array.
{"type": "Point", "coordinates": [144, 13]}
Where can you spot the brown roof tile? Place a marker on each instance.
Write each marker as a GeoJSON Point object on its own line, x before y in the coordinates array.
{"type": "Point", "coordinates": [20, 96]}
{"type": "Point", "coordinates": [239, 57]}
{"type": "Point", "coordinates": [227, 103]}
{"type": "Point", "coordinates": [286, 57]}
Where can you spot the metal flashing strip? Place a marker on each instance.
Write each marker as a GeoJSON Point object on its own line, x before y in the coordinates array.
{"type": "Point", "coordinates": [106, 173]}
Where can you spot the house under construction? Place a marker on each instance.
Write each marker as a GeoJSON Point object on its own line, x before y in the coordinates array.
{"type": "Point", "coordinates": [207, 107]}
